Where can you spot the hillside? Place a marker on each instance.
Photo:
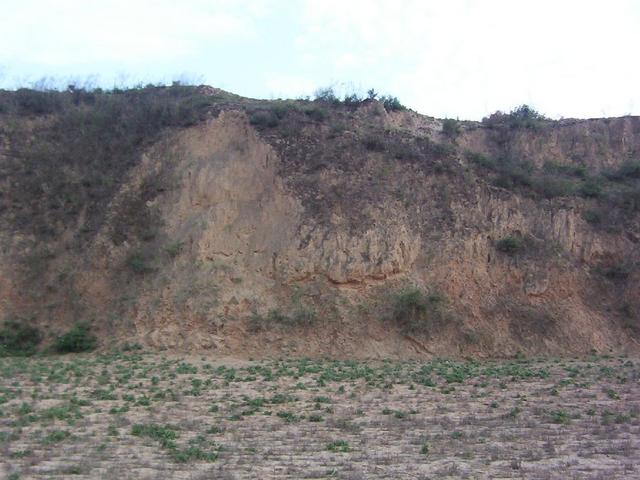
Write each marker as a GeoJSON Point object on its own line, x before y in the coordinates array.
{"type": "Point", "coordinates": [190, 218]}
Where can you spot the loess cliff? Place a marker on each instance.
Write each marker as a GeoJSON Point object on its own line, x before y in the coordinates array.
{"type": "Point", "coordinates": [189, 218]}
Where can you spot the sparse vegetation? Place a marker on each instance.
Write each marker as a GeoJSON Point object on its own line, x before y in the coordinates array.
{"type": "Point", "coordinates": [50, 407]}
{"type": "Point", "coordinates": [523, 116]}
{"type": "Point", "coordinates": [417, 312]}
{"type": "Point", "coordinates": [17, 337]}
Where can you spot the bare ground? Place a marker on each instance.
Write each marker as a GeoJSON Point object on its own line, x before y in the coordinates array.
{"type": "Point", "coordinates": [146, 416]}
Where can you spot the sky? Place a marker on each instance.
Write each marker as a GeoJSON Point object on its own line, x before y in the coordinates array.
{"type": "Point", "coordinates": [455, 58]}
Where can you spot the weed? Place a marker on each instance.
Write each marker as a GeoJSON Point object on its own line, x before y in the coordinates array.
{"type": "Point", "coordinates": [56, 436]}
{"type": "Point", "coordinates": [340, 446]}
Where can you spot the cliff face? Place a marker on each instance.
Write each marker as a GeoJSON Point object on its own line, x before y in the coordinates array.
{"type": "Point", "coordinates": [267, 228]}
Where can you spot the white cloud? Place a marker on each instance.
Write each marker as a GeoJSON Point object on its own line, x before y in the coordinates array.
{"type": "Point", "coordinates": [466, 58]}
{"type": "Point", "coordinates": [58, 33]}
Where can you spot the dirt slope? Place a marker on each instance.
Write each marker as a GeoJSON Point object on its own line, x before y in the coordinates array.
{"type": "Point", "coordinates": [254, 228]}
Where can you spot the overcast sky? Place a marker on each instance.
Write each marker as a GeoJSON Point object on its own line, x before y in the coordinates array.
{"type": "Point", "coordinates": [455, 58]}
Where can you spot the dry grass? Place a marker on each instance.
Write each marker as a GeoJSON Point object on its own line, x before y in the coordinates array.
{"type": "Point", "coordinates": [137, 415]}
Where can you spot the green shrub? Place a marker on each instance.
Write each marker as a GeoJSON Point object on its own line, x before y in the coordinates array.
{"type": "Point", "coordinates": [451, 127]}
{"type": "Point", "coordinates": [78, 339]}
{"type": "Point", "coordinates": [593, 217]}
{"type": "Point", "coordinates": [18, 338]}
{"type": "Point", "coordinates": [615, 271]}
{"type": "Point", "coordinates": [326, 95]}
{"type": "Point", "coordinates": [138, 263]}
{"type": "Point", "coordinates": [284, 108]}
{"type": "Point", "coordinates": [391, 104]}
{"type": "Point", "coordinates": [264, 119]}
{"type": "Point", "coordinates": [512, 173]}
{"type": "Point", "coordinates": [551, 186]}
{"type": "Point", "coordinates": [417, 312]}
{"type": "Point", "coordinates": [523, 116]}
{"type": "Point", "coordinates": [565, 169]}
{"type": "Point", "coordinates": [352, 99]}
{"type": "Point", "coordinates": [626, 171]}
{"type": "Point", "coordinates": [302, 316]}
{"type": "Point", "coordinates": [591, 188]}
{"type": "Point", "coordinates": [480, 159]}
{"type": "Point", "coordinates": [35, 102]}
{"type": "Point", "coordinates": [174, 249]}
{"type": "Point", "coordinates": [316, 113]}
{"type": "Point", "coordinates": [510, 245]}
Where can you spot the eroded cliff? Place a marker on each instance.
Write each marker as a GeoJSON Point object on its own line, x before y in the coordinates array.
{"type": "Point", "coordinates": [260, 228]}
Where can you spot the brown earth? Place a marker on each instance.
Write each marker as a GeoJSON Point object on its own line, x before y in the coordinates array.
{"type": "Point", "coordinates": [264, 228]}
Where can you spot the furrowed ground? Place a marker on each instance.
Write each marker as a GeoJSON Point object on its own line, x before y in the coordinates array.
{"type": "Point", "coordinates": [139, 415]}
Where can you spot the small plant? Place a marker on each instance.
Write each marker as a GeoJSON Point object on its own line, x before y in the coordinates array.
{"type": "Point", "coordinates": [611, 393]}
{"type": "Point", "coordinates": [174, 249]}
{"type": "Point", "coordinates": [288, 417]}
{"type": "Point", "coordinates": [561, 417]}
{"type": "Point", "coordinates": [78, 339]}
{"type": "Point", "coordinates": [510, 245]}
{"type": "Point", "coordinates": [138, 263]}
{"type": "Point", "coordinates": [340, 446]}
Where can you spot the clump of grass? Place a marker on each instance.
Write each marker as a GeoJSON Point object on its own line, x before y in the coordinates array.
{"type": "Point", "coordinates": [340, 446]}
{"type": "Point", "coordinates": [166, 434]}
{"type": "Point", "coordinates": [560, 417]}
{"type": "Point", "coordinates": [56, 436]}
